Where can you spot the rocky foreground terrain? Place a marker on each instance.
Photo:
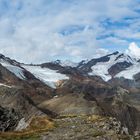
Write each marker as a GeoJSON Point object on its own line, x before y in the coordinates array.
{"type": "Point", "coordinates": [95, 100]}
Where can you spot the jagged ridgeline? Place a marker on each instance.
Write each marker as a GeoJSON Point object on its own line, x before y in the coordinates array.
{"type": "Point", "coordinates": [92, 99]}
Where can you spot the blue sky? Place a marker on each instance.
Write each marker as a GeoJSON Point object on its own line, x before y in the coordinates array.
{"type": "Point", "coordinates": [42, 30]}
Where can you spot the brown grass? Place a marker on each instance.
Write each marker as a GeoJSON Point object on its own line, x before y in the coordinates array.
{"type": "Point", "coordinates": [37, 125]}
{"type": "Point", "coordinates": [95, 118]}
{"type": "Point", "coordinates": [67, 116]}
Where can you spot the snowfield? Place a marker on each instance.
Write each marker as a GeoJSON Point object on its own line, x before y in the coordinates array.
{"type": "Point", "coordinates": [46, 75]}
{"type": "Point", "coordinates": [130, 72]}
{"type": "Point", "coordinates": [14, 69]}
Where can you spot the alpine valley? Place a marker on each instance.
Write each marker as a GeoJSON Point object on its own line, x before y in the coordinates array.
{"type": "Point", "coordinates": [97, 99]}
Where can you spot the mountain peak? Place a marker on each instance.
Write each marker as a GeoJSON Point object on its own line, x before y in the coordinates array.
{"type": "Point", "coordinates": [65, 63]}
{"type": "Point", "coordinates": [2, 56]}
{"type": "Point", "coordinates": [115, 53]}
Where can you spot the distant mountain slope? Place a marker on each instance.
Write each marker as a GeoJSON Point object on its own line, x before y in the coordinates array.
{"type": "Point", "coordinates": [108, 66]}
{"type": "Point", "coordinates": [115, 65]}
{"type": "Point", "coordinates": [28, 73]}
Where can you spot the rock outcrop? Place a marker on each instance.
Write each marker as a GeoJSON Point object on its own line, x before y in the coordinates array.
{"type": "Point", "coordinates": [8, 119]}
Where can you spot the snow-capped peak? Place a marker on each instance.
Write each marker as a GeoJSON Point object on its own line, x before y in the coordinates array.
{"type": "Point", "coordinates": [65, 63]}
{"type": "Point", "coordinates": [124, 57]}
{"type": "Point", "coordinates": [68, 63]}
{"type": "Point", "coordinates": [102, 66]}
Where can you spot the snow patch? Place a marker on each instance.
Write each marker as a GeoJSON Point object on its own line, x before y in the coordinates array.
{"type": "Point", "coordinates": [5, 85]}
{"type": "Point", "coordinates": [22, 125]}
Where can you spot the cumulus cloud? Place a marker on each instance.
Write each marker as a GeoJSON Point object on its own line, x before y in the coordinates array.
{"type": "Point", "coordinates": [43, 30]}
{"type": "Point", "coordinates": [133, 50]}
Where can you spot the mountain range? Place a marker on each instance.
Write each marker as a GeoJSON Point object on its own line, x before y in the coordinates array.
{"type": "Point", "coordinates": [108, 86]}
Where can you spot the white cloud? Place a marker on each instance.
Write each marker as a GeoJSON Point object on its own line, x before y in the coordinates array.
{"type": "Point", "coordinates": [133, 50]}
{"type": "Point", "coordinates": [30, 31]}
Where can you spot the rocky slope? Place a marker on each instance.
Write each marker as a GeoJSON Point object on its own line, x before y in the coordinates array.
{"type": "Point", "coordinates": [92, 127]}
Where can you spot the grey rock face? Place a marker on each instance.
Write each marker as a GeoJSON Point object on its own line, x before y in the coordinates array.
{"type": "Point", "coordinates": [8, 119]}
